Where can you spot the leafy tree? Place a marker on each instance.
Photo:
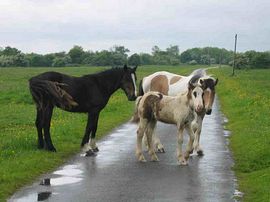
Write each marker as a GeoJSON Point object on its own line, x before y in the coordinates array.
{"type": "Point", "coordinates": [37, 60]}
{"type": "Point", "coordinates": [61, 61]}
{"type": "Point", "coordinates": [76, 54]}
{"type": "Point", "coordinates": [8, 51]}
{"type": "Point", "coordinates": [146, 59]}
{"type": "Point", "coordinates": [134, 59]}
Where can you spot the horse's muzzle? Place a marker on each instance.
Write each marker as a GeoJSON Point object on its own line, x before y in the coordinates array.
{"type": "Point", "coordinates": [132, 98]}
{"type": "Point", "coordinates": [208, 112]}
{"type": "Point", "coordinates": [199, 109]}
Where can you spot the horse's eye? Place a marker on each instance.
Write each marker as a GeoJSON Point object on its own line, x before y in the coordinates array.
{"type": "Point", "coordinates": [202, 94]}
{"type": "Point", "coordinates": [195, 94]}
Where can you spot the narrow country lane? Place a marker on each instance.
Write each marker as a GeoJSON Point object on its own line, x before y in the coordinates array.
{"type": "Point", "coordinates": [115, 175]}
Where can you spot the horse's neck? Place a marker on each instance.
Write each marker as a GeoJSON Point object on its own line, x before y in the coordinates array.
{"type": "Point", "coordinates": [109, 82]}
{"type": "Point", "coordinates": [179, 87]}
{"type": "Point", "coordinates": [185, 98]}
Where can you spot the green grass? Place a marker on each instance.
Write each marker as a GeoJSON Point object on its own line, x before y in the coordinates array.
{"type": "Point", "coordinates": [245, 100]}
{"type": "Point", "coordinates": [20, 160]}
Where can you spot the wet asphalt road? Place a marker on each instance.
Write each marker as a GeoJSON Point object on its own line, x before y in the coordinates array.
{"type": "Point", "coordinates": [115, 175]}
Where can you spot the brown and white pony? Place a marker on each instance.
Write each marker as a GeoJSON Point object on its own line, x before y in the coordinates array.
{"type": "Point", "coordinates": [172, 84]}
{"type": "Point", "coordinates": [178, 110]}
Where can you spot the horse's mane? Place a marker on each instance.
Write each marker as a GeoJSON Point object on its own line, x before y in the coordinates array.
{"type": "Point", "coordinates": [200, 73]}
{"type": "Point", "coordinates": [106, 71]}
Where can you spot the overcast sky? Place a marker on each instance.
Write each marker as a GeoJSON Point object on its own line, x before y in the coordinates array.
{"type": "Point", "coordinates": [56, 25]}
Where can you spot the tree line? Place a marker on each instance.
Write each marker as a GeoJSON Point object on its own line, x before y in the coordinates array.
{"type": "Point", "coordinates": [118, 55]}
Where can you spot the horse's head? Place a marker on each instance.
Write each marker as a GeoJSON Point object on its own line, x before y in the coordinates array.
{"type": "Point", "coordinates": [195, 92]}
{"type": "Point", "coordinates": [208, 84]}
{"type": "Point", "coordinates": [128, 82]}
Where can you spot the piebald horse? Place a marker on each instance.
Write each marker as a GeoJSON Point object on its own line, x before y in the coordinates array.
{"type": "Point", "coordinates": [172, 84]}
{"type": "Point", "coordinates": [178, 110]}
{"type": "Point", "coordinates": [86, 94]}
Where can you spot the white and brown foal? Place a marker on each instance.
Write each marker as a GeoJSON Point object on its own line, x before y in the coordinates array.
{"type": "Point", "coordinates": [177, 110]}
{"type": "Point", "coordinates": [172, 84]}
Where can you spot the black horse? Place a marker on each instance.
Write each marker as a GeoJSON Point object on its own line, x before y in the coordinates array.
{"type": "Point", "coordinates": [88, 94]}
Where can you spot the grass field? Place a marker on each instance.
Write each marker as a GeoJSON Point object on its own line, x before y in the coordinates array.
{"type": "Point", "coordinates": [245, 100]}
{"type": "Point", "coordinates": [20, 160]}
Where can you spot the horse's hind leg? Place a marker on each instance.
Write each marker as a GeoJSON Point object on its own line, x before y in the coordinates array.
{"type": "Point", "coordinates": [47, 116]}
{"type": "Point", "coordinates": [149, 133]}
{"type": "Point", "coordinates": [140, 132]}
{"type": "Point", "coordinates": [39, 128]}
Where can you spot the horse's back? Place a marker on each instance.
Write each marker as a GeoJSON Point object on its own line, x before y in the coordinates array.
{"type": "Point", "coordinates": [53, 76]}
{"type": "Point", "coordinates": [165, 82]}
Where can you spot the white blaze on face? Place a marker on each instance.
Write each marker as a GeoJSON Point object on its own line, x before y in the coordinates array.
{"type": "Point", "coordinates": [134, 83]}
{"type": "Point", "coordinates": [198, 100]}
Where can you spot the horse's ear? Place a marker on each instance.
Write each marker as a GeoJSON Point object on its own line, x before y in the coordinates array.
{"type": "Point", "coordinates": [135, 68]}
{"type": "Point", "coordinates": [216, 82]}
{"type": "Point", "coordinates": [201, 82]}
{"type": "Point", "coordinates": [191, 85]}
{"type": "Point", "coordinates": [125, 67]}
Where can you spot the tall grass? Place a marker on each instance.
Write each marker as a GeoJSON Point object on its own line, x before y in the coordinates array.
{"type": "Point", "coordinates": [245, 100]}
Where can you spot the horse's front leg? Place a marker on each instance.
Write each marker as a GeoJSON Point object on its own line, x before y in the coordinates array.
{"type": "Point", "coordinates": [180, 155]}
{"type": "Point", "coordinates": [189, 149]}
{"type": "Point", "coordinates": [157, 144]}
{"type": "Point", "coordinates": [93, 134]}
{"type": "Point", "coordinates": [91, 127]}
{"type": "Point", "coordinates": [197, 128]}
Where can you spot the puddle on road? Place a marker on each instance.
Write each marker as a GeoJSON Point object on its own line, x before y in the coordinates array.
{"type": "Point", "coordinates": [114, 147]}
{"type": "Point", "coordinates": [40, 196]}
{"type": "Point", "coordinates": [69, 174]}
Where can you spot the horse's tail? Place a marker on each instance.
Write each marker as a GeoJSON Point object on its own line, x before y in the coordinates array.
{"type": "Point", "coordinates": [151, 105]}
{"type": "Point", "coordinates": [140, 88]}
{"type": "Point", "coordinates": [46, 92]}
{"type": "Point", "coordinates": [135, 118]}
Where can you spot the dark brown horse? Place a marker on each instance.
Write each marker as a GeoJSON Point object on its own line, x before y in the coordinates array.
{"type": "Point", "coordinates": [88, 94]}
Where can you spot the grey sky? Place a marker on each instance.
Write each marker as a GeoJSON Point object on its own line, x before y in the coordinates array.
{"type": "Point", "coordinates": [57, 25]}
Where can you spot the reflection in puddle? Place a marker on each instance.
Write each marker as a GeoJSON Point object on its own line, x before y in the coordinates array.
{"type": "Point", "coordinates": [64, 180]}
{"type": "Point", "coordinates": [69, 170]}
{"type": "Point", "coordinates": [43, 196]}
{"type": "Point", "coordinates": [68, 175]}
{"type": "Point", "coordinates": [238, 194]}
{"type": "Point", "coordinates": [46, 182]}
{"type": "Point", "coordinates": [40, 196]}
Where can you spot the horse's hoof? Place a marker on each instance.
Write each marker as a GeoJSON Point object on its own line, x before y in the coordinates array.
{"type": "Point", "coordinates": [51, 149]}
{"type": "Point", "coordinates": [200, 153]}
{"type": "Point", "coordinates": [154, 158]}
{"type": "Point", "coordinates": [96, 150]}
{"type": "Point", "coordinates": [141, 159]}
{"type": "Point", "coordinates": [183, 163]}
{"type": "Point", "coordinates": [90, 152]}
{"type": "Point", "coordinates": [40, 146]}
{"type": "Point", "coordinates": [161, 150]}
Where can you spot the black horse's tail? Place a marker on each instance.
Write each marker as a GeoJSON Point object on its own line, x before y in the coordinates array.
{"type": "Point", "coordinates": [46, 92]}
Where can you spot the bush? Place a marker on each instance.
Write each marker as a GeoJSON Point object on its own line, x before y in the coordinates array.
{"type": "Point", "coordinates": [193, 62]}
